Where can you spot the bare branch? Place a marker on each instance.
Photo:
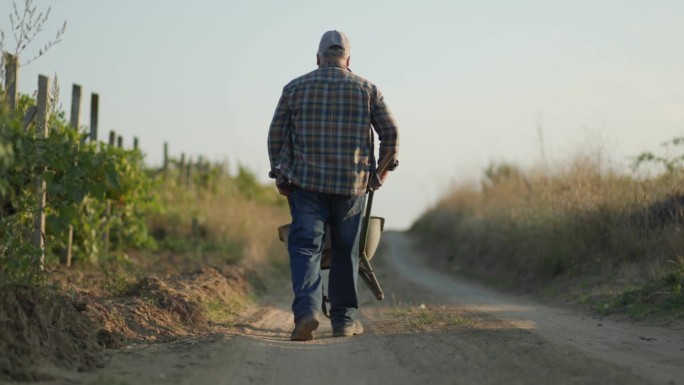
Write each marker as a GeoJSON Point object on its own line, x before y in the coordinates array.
{"type": "Point", "coordinates": [27, 23]}
{"type": "Point", "coordinates": [58, 38]}
{"type": "Point", "coordinates": [21, 24]}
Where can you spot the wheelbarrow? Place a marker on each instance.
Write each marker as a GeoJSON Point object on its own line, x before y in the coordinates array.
{"type": "Point", "coordinates": [371, 229]}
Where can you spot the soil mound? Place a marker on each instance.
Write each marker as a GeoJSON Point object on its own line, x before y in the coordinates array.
{"type": "Point", "coordinates": [162, 309]}
{"type": "Point", "coordinates": [42, 333]}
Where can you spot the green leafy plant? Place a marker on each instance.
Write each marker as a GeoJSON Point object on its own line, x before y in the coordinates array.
{"type": "Point", "coordinates": [82, 180]}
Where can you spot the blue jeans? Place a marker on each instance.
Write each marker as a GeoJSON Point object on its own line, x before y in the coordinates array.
{"type": "Point", "coordinates": [311, 212]}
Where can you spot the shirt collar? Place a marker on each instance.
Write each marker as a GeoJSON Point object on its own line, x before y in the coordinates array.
{"type": "Point", "coordinates": [333, 64]}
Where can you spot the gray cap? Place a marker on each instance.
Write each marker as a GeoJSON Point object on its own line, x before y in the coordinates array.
{"type": "Point", "coordinates": [334, 43]}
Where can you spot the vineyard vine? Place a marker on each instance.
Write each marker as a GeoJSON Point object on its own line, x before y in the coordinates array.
{"type": "Point", "coordinates": [81, 178]}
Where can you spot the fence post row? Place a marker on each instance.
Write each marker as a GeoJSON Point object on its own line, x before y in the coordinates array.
{"type": "Point", "coordinates": [41, 133]}
{"type": "Point", "coordinates": [39, 114]}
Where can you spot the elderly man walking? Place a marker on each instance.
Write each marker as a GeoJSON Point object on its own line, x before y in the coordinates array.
{"type": "Point", "coordinates": [320, 145]}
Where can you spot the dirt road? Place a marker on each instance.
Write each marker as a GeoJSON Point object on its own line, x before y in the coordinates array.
{"type": "Point", "coordinates": [431, 329]}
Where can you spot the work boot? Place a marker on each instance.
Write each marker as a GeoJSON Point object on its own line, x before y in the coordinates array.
{"type": "Point", "coordinates": [349, 330]}
{"type": "Point", "coordinates": [304, 327]}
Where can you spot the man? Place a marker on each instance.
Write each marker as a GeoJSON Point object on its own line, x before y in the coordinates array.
{"type": "Point", "coordinates": [320, 146]}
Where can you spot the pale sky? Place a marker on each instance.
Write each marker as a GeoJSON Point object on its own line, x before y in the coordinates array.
{"type": "Point", "coordinates": [469, 82]}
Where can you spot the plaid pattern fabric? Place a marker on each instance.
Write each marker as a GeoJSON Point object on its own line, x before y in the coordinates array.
{"type": "Point", "coordinates": [320, 136]}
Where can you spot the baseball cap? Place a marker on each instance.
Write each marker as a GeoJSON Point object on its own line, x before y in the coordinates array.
{"type": "Point", "coordinates": [334, 43]}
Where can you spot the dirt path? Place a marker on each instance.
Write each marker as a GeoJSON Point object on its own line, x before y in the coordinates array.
{"type": "Point", "coordinates": [430, 329]}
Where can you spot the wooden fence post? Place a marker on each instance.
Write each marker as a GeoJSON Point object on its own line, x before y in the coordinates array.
{"type": "Point", "coordinates": [28, 118]}
{"type": "Point", "coordinates": [94, 106]}
{"type": "Point", "coordinates": [42, 133]}
{"type": "Point", "coordinates": [108, 207]}
{"type": "Point", "coordinates": [75, 106]}
{"type": "Point", "coordinates": [181, 169]}
{"type": "Point", "coordinates": [65, 259]}
{"type": "Point", "coordinates": [188, 174]}
{"type": "Point", "coordinates": [74, 121]}
{"type": "Point", "coordinates": [11, 80]}
{"type": "Point", "coordinates": [166, 157]}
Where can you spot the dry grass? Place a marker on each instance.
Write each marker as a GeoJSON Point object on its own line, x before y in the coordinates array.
{"type": "Point", "coordinates": [571, 229]}
{"type": "Point", "coordinates": [233, 222]}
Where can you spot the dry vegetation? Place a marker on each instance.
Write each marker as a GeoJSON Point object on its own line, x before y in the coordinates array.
{"type": "Point", "coordinates": [578, 233]}
{"type": "Point", "coordinates": [231, 220]}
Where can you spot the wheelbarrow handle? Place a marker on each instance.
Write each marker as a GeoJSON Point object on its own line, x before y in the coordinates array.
{"type": "Point", "coordinates": [365, 269]}
{"type": "Point", "coordinates": [365, 223]}
{"type": "Point", "coordinates": [369, 204]}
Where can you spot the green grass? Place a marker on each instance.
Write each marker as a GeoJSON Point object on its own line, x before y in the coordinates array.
{"type": "Point", "coordinates": [424, 317]}
{"type": "Point", "coordinates": [224, 312]}
{"type": "Point", "coordinates": [662, 298]}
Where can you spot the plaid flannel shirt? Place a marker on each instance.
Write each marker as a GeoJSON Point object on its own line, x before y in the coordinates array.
{"type": "Point", "coordinates": [320, 136]}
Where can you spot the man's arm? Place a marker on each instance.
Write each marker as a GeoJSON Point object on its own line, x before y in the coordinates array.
{"type": "Point", "coordinates": [278, 140]}
{"type": "Point", "coordinates": [278, 131]}
{"type": "Point", "coordinates": [384, 124]}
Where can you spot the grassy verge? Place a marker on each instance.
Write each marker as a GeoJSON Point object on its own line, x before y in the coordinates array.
{"type": "Point", "coordinates": [661, 298]}
{"type": "Point", "coordinates": [579, 234]}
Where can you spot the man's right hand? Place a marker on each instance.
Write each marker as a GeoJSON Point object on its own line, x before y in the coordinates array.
{"type": "Point", "coordinates": [284, 186]}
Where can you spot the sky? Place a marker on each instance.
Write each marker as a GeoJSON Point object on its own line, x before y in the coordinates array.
{"type": "Point", "coordinates": [469, 82]}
